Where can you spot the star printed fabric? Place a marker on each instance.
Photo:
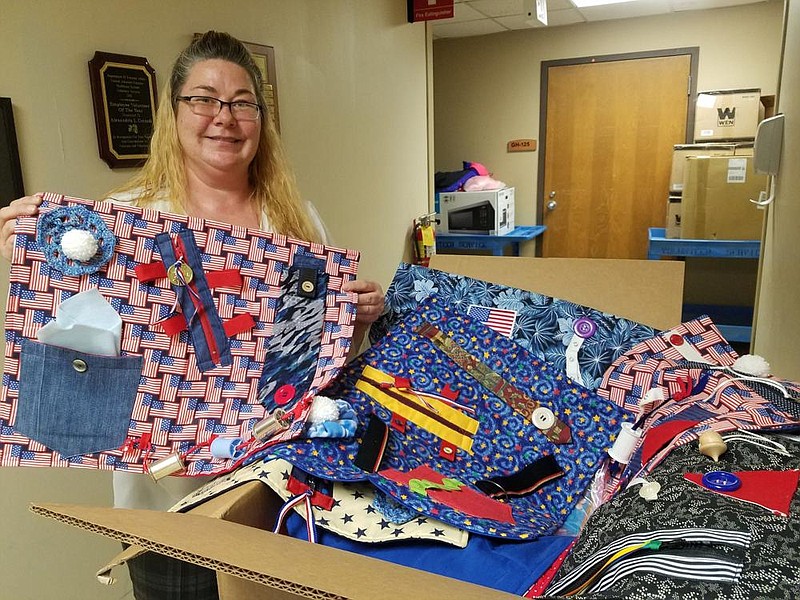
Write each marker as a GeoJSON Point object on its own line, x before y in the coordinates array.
{"type": "Point", "coordinates": [355, 512]}
{"type": "Point", "coordinates": [503, 443]}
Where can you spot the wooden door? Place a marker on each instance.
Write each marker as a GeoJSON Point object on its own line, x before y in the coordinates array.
{"type": "Point", "coordinates": [609, 128]}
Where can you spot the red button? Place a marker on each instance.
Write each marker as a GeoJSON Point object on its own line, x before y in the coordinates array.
{"type": "Point", "coordinates": [398, 423]}
{"type": "Point", "coordinates": [284, 394]}
{"type": "Point", "coordinates": [676, 340]}
{"type": "Point", "coordinates": [447, 451]}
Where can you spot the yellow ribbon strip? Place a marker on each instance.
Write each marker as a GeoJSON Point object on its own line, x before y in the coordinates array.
{"type": "Point", "coordinates": [432, 415]}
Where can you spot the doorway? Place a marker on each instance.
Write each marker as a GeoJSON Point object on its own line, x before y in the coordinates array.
{"type": "Point", "coordinates": [607, 128]}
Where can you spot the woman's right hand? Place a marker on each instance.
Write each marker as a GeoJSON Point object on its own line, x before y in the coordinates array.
{"type": "Point", "coordinates": [27, 206]}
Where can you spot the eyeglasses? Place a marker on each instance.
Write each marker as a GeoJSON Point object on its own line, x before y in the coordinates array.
{"type": "Point", "coordinates": [206, 106]}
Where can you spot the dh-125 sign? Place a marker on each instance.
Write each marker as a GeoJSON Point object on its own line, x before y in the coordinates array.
{"type": "Point", "coordinates": [124, 98]}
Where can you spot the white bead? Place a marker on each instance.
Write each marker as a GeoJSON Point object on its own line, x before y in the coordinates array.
{"type": "Point", "coordinates": [78, 244]}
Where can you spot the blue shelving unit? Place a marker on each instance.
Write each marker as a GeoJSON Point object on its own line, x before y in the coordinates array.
{"type": "Point", "coordinates": [495, 243]}
{"type": "Point", "coordinates": [658, 245]}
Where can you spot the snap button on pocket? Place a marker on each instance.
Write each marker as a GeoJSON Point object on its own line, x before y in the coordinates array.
{"type": "Point", "coordinates": [79, 365]}
{"type": "Point", "coordinates": [308, 283]}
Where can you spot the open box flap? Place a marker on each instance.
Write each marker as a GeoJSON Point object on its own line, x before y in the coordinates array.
{"type": "Point", "coordinates": [646, 291]}
{"type": "Point", "coordinates": [276, 561]}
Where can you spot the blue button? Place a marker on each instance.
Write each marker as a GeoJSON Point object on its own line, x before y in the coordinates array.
{"type": "Point", "coordinates": [721, 481]}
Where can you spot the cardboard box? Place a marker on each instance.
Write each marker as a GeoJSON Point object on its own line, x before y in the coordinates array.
{"type": "Point", "coordinates": [228, 533]}
{"type": "Point", "coordinates": [279, 567]}
{"type": "Point", "coordinates": [727, 115]}
{"type": "Point", "coordinates": [673, 225]}
{"type": "Point", "coordinates": [743, 148]}
{"type": "Point", "coordinates": [716, 199]}
{"type": "Point", "coordinates": [680, 152]}
{"type": "Point", "coordinates": [607, 284]}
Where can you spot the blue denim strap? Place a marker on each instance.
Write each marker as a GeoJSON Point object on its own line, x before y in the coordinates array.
{"type": "Point", "coordinates": [202, 345]}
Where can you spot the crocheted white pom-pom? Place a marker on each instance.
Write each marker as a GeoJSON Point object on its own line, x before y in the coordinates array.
{"type": "Point", "coordinates": [78, 244]}
{"type": "Point", "coordinates": [752, 364]}
{"type": "Point", "coordinates": [323, 409]}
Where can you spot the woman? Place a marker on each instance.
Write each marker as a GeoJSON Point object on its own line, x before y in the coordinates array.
{"type": "Point", "coordinates": [216, 155]}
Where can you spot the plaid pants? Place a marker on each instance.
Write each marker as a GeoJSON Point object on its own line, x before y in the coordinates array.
{"type": "Point", "coordinates": [159, 577]}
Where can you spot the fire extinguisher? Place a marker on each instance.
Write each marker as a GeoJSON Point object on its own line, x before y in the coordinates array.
{"type": "Point", "coordinates": [424, 234]}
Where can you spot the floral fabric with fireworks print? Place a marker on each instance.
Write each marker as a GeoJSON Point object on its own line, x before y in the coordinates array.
{"type": "Point", "coordinates": [543, 325]}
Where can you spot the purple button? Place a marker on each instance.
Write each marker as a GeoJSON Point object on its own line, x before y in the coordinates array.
{"type": "Point", "coordinates": [584, 327]}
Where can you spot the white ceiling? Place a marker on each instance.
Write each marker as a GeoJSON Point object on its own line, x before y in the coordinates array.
{"type": "Point", "coordinates": [482, 17]}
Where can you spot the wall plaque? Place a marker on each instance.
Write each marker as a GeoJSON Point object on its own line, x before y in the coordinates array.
{"type": "Point", "coordinates": [125, 100]}
{"type": "Point", "coordinates": [11, 186]}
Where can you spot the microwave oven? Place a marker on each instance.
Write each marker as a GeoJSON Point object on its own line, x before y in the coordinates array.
{"type": "Point", "coordinates": [488, 212]}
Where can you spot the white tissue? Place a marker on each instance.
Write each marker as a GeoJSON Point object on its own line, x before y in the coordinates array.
{"type": "Point", "coordinates": [86, 322]}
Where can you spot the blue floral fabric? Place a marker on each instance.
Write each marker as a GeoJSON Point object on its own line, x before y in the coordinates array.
{"type": "Point", "coordinates": [504, 442]}
{"type": "Point", "coordinates": [544, 325]}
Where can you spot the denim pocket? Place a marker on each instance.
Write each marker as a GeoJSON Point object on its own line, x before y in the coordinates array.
{"type": "Point", "coordinates": [73, 402]}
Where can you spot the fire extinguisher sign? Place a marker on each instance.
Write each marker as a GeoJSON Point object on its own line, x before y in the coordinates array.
{"type": "Point", "coordinates": [429, 10]}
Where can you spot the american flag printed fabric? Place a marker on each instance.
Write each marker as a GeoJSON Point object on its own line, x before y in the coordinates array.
{"type": "Point", "coordinates": [499, 319]}
{"type": "Point", "coordinates": [710, 393]}
{"type": "Point", "coordinates": [177, 407]}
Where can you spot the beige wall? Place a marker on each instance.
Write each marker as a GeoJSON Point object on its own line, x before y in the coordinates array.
{"type": "Point", "coordinates": [777, 327]}
{"type": "Point", "coordinates": [486, 89]}
{"type": "Point", "coordinates": [353, 94]}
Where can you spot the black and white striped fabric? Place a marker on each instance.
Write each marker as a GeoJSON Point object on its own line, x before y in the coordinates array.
{"type": "Point", "coordinates": [705, 555]}
{"type": "Point", "coordinates": [767, 546]}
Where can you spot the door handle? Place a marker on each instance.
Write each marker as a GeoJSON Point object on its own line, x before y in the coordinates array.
{"type": "Point", "coordinates": [551, 205]}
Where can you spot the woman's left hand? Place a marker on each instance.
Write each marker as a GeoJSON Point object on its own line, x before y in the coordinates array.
{"type": "Point", "coordinates": [370, 300]}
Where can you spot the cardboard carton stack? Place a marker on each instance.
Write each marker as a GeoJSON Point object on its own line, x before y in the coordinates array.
{"type": "Point", "coordinates": [713, 180]}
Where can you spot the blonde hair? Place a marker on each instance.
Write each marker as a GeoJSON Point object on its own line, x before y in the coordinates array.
{"type": "Point", "coordinates": [274, 187]}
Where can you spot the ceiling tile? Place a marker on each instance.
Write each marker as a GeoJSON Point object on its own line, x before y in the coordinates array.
{"type": "Point", "coordinates": [482, 17]}
{"type": "Point", "coordinates": [467, 29]}
{"type": "Point", "coordinates": [497, 8]}
{"type": "Point", "coordinates": [464, 12]}
{"type": "Point", "coordinates": [518, 22]}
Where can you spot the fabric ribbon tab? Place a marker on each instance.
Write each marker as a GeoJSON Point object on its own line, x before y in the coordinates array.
{"type": "Point", "coordinates": [432, 415]}
{"type": "Point", "coordinates": [197, 305]}
{"type": "Point", "coordinates": [558, 433]}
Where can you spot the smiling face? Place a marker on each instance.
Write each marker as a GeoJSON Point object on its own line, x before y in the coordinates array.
{"type": "Point", "coordinates": [220, 146]}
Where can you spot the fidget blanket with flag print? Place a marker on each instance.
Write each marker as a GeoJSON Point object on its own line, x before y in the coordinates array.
{"type": "Point", "coordinates": [683, 382]}
{"type": "Point", "coordinates": [220, 325]}
{"type": "Point", "coordinates": [581, 341]}
{"type": "Point", "coordinates": [463, 424]}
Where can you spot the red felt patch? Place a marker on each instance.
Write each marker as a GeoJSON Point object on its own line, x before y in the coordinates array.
{"type": "Point", "coordinates": [657, 437]}
{"type": "Point", "coordinates": [772, 490]}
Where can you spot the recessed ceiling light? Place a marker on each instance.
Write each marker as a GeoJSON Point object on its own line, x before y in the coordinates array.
{"type": "Point", "coordinates": [588, 3]}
